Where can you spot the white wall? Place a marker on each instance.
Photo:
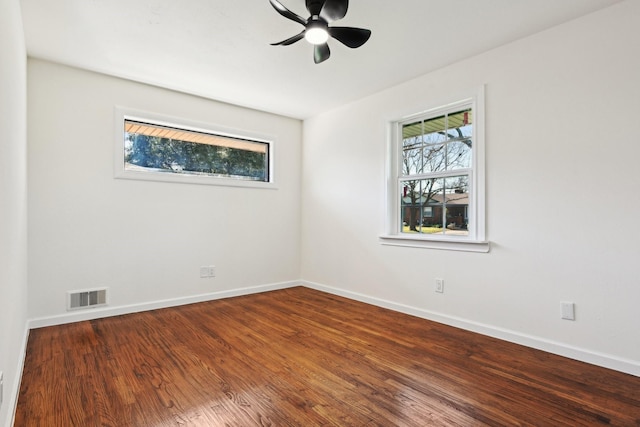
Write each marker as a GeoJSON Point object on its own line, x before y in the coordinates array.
{"type": "Point", "coordinates": [146, 240]}
{"type": "Point", "coordinates": [13, 201]}
{"type": "Point", "coordinates": [562, 150]}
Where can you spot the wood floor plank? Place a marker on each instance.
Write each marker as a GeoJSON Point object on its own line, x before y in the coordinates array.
{"type": "Point", "coordinates": [300, 357]}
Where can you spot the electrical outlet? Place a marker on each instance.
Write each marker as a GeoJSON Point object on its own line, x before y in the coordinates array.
{"type": "Point", "coordinates": [207, 271]}
{"type": "Point", "coordinates": [440, 285]}
{"type": "Point", "coordinates": [568, 310]}
{"type": "Point", "coordinates": [1, 387]}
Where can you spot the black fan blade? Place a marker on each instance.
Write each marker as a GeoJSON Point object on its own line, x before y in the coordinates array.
{"type": "Point", "coordinates": [348, 36]}
{"type": "Point", "coordinates": [314, 6]}
{"type": "Point", "coordinates": [290, 40]}
{"type": "Point", "coordinates": [334, 10]}
{"type": "Point", "coordinates": [321, 53]}
{"type": "Point", "coordinates": [287, 13]}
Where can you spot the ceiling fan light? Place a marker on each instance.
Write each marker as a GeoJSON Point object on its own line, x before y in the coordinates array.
{"type": "Point", "coordinates": [316, 35]}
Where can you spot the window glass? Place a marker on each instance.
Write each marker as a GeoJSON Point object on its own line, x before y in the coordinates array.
{"type": "Point", "coordinates": [436, 165]}
{"type": "Point", "coordinates": [171, 150]}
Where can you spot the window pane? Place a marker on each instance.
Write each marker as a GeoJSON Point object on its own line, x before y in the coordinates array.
{"type": "Point", "coordinates": [434, 158]}
{"type": "Point", "coordinates": [459, 154]}
{"type": "Point", "coordinates": [422, 204]}
{"type": "Point", "coordinates": [435, 195]}
{"type": "Point", "coordinates": [456, 201]}
{"type": "Point", "coordinates": [435, 130]}
{"type": "Point", "coordinates": [411, 204]}
{"type": "Point", "coordinates": [460, 124]}
{"type": "Point", "coordinates": [412, 131]}
{"type": "Point", "coordinates": [412, 161]}
{"type": "Point", "coordinates": [165, 149]}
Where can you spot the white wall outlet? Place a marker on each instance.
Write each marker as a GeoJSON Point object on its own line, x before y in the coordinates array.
{"type": "Point", "coordinates": [1, 387]}
{"type": "Point", "coordinates": [204, 272]}
{"type": "Point", "coordinates": [207, 271]}
{"type": "Point", "coordinates": [440, 285]}
{"type": "Point", "coordinates": [568, 310]}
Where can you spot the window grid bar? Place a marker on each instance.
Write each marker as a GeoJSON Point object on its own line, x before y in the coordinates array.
{"type": "Point", "coordinates": [443, 174]}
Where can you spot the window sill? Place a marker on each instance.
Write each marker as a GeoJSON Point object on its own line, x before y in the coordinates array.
{"type": "Point", "coordinates": [443, 244]}
{"type": "Point", "coordinates": [192, 179]}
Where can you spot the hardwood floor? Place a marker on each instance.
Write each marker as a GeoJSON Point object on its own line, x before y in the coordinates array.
{"type": "Point", "coordinates": [299, 357]}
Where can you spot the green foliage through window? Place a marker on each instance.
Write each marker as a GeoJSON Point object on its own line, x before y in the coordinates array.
{"type": "Point", "coordinates": [150, 147]}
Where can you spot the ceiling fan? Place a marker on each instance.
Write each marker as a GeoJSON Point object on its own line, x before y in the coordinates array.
{"type": "Point", "coordinates": [317, 30]}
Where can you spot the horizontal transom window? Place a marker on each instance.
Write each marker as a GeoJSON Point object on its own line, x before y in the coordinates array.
{"type": "Point", "coordinates": [152, 150]}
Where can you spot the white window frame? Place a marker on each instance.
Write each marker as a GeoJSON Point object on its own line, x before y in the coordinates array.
{"type": "Point", "coordinates": [124, 113]}
{"type": "Point", "coordinates": [475, 241]}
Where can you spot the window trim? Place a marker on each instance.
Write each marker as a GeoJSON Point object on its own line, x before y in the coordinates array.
{"type": "Point", "coordinates": [475, 242]}
{"type": "Point", "coordinates": [125, 113]}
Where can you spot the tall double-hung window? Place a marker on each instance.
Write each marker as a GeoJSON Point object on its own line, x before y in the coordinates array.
{"type": "Point", "coordinates": [436, 182]}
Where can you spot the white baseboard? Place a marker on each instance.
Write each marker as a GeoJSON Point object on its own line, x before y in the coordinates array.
{"type": "Point", "coordinates": [595, 358]}
{"type": "Point", "coordinates": [599, 359]}
{"type": "Point", "coordinates": [15, 390]}
{"type": "Point", "coordinates": [98, 313]}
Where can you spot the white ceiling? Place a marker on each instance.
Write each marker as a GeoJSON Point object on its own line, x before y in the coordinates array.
{"type": "Point", "coordinates": [220, 49]}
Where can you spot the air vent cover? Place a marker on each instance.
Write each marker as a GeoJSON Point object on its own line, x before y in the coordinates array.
{"type": "Point", "coordinates": [89, 298]}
